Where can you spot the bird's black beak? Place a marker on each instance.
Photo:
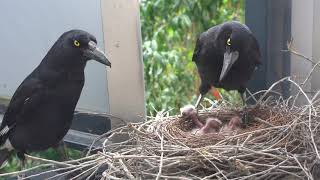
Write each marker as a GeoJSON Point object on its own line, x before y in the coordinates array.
{"type": "Point", "coordinates": [230, 57]}
{"type": "Point", "coordinates": [93, 52]}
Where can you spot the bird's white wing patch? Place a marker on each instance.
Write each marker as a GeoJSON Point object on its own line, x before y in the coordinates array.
{"type": "Point", "coordinates": [25, 101]}
{"type": "Point", "coordinates": [4, 164]}
{"type": "Point", "coordinates": [4, 131]}
{"type": "Point", "coordinates": [7, 145]}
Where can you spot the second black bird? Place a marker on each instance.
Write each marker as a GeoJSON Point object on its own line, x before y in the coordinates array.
{"type": "Point", "coordinates": [226, 56]}
{"type": "Point", "coordinates": [41, 110]}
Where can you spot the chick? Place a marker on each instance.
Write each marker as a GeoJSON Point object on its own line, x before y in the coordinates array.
{"type": "Point", "coordinates": [189, 111]}
{"type": "Point", "coordinates": [212, 125]}
{"type": "Point", "coordinates": [234, 123]}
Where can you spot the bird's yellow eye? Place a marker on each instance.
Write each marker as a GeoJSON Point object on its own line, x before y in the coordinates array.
{"type": "Point", "coordinates": [76, 43]}
{"type": "Point", "coordinates": [229, 42]}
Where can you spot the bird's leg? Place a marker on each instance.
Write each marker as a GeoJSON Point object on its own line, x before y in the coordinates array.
{"type": "Point", "coordinates": [21, 168]}
{"type": "Point", "coordinates": [204, 88]}
{"type": "Point", "coordinates": [244, 98]}
{"type": "Point", "coordinates": [200, 98]}
{"type": "Point", "coordinates": [22, 164]}
{"type": "Point", "coordinates": [244, 118]}
{"type": "Point", "coordinates": [61, 148]}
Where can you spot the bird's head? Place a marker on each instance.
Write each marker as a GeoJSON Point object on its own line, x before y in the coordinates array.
{"type": "Point", "coordinates": [78, 45]}
{"type": "Point", "coordinates": [230, 41]}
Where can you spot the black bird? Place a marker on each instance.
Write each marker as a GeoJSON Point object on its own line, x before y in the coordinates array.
{"type": "Point", "coordinates": [41, 110]}
{"type": "Point", "coordinates": [226, 56]}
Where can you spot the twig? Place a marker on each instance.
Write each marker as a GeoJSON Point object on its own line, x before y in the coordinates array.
{"type": "Point", "coordinates": [161, 160]}
{"type": "Point", "coordinates": [25, 171]}
{"type": "Point", "coordinates": [263, 121]}
{"type": "Point", "coordinates": [291, 50]}
{"type": "Point", "coordinates": [125, 168]}
{"type": "Point", "coordinates": [48, 161]}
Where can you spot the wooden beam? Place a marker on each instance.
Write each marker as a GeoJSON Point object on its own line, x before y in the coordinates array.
{"type": "Point", "coordinates": [122, 37]}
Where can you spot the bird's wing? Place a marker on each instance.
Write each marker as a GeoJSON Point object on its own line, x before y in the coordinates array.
{"type": "Point", "coordinates": [205, 42]}
{"type": "Point", "coordinates": [197, 49]}
{"type": "Point", "coordinates": [256, 54]}
{"type": "Point", "coordinates": [28, 96]}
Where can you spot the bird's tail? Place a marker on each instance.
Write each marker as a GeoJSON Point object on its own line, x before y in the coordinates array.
{"type": "Point", "coordinates": [4, 155]}
{"type": "Point", "coordinates": [5, 146]}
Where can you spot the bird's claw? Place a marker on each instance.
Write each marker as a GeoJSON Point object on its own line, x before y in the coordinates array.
{"type": "Point", "coordinates": [21, 176]}
{"type": "Point", "coordinates": [245, 117]}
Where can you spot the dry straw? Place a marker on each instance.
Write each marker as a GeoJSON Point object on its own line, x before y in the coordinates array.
{"type": "Point", "coordinates": [280, 142]}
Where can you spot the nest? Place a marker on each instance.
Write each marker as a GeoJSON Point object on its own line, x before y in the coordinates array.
{"type": "Point", "coordinates": [279, 142]}
{"type": "Point", "coordinates": [180, 129]}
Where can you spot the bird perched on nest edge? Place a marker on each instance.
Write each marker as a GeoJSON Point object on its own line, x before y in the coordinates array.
{"type": "Point", "coordinates": [226, 56]}
{"type": "Point", "coordinates": [41, 110]}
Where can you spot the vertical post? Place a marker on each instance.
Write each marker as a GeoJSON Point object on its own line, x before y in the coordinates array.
{"type": "Point", "coordinates": [279, 34]}
{"type": "Point", "coordinates": [270, 22]}
{"type": "Point", "coordinates": [256, 20]}
{"type": "Point", "coordinates": [122, 37]}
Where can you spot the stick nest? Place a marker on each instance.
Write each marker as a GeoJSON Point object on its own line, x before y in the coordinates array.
{"type": "Point", "coordinates": [279, 142]}
{"type": "Point", "coordinates": [275, 144]}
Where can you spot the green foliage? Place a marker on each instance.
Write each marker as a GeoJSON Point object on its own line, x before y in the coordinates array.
{"type": "Point", "coordinates": [169, 31]}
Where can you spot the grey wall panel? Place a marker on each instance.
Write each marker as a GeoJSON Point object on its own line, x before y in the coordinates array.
{"type": "Point", "coordinates": [270, 22]}
{"type": "Point", "coordinates": [29, 28]}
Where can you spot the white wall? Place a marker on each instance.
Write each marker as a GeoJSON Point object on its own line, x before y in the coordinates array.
{"type": "Point", "coordinates": [121, 26]}
{"type": "Point", "coordinates": [306, 40]}
{"type": "Point", "coordinates": [316, 43]}
{"type": "Point", "coordinates": [29, 29]}
{"type": "Point", "coordinates": [302, 34]}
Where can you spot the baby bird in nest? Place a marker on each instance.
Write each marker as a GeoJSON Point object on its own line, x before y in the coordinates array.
{"type": "Point", "coordinates": [211, 124]}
